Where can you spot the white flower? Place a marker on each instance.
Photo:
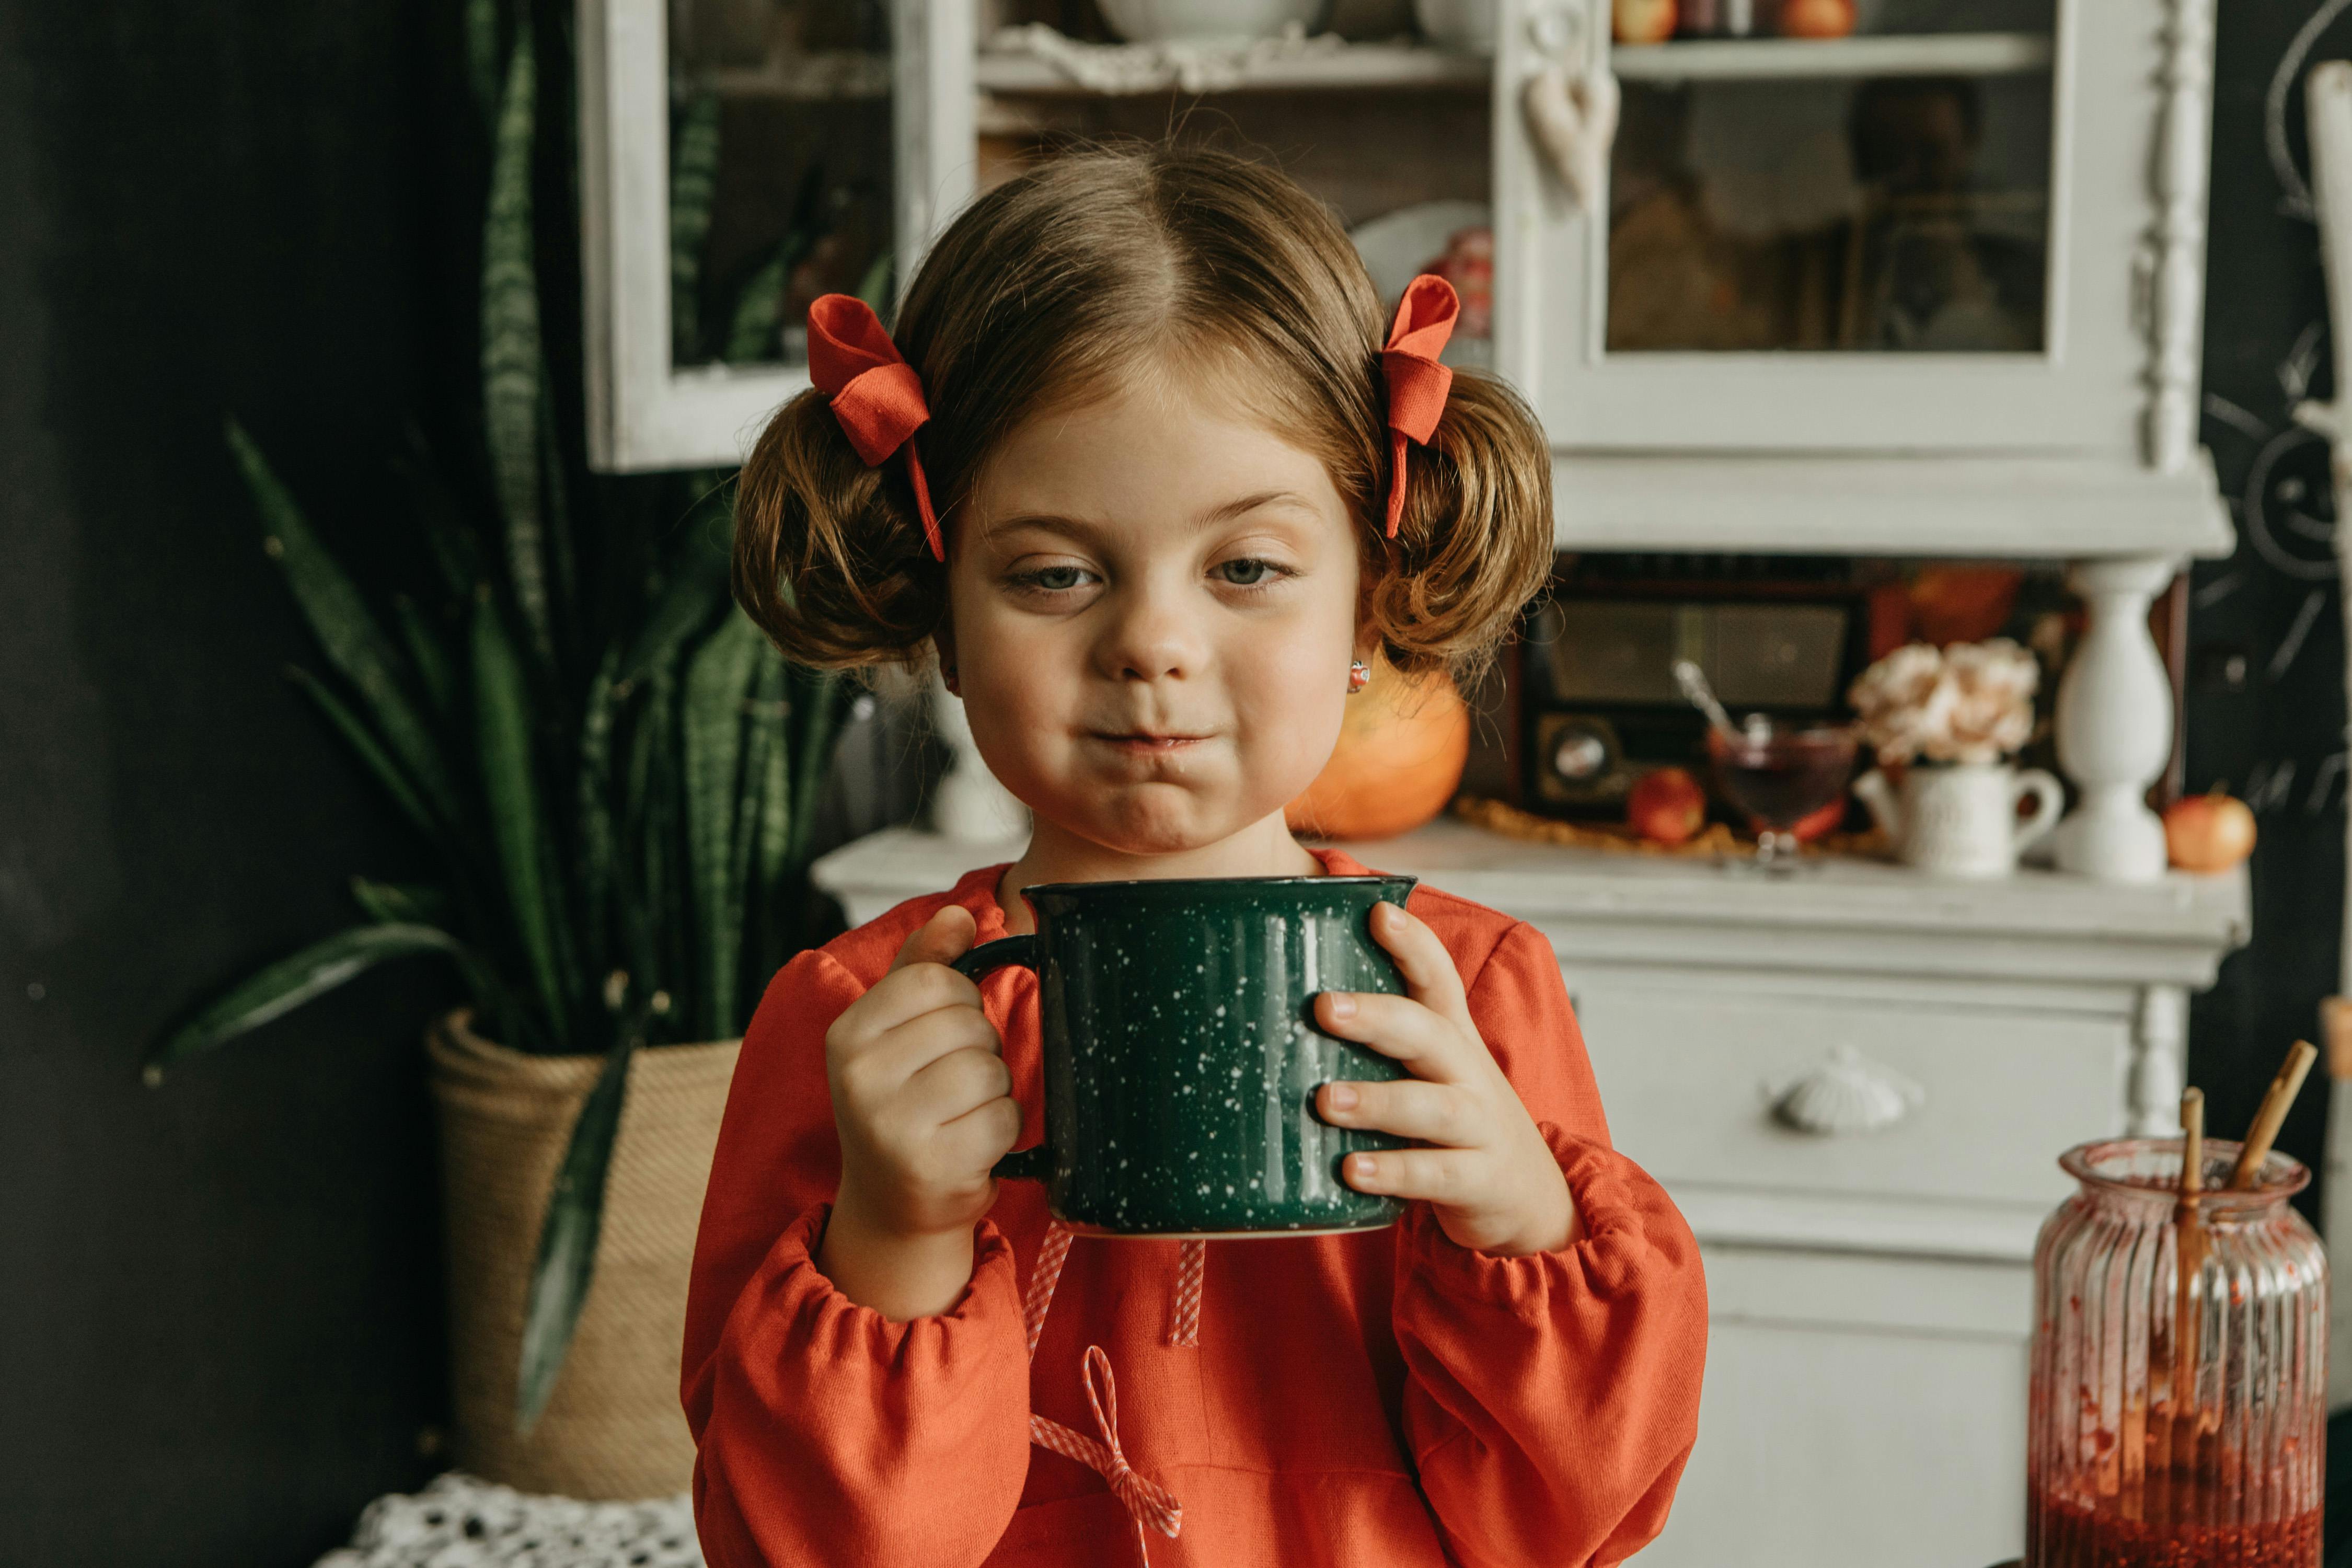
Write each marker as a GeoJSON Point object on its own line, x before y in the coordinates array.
{"type": "Point", "coordinates": [1971, 702]}
{"type": "Point", "coordinates": [1993, 714]}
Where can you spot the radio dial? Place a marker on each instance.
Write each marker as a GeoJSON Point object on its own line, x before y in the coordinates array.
{"type": "Point", "coordinates": [1579, 756]}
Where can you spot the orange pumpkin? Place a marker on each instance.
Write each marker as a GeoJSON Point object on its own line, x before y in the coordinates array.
{"type": "Point", "coordinates": [1402, 749]}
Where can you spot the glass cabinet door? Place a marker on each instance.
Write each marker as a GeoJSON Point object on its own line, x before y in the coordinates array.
{"type": "Point", "coordinates": [1921, 234]}
{"type": "Point", "coordinates": [742, 157]}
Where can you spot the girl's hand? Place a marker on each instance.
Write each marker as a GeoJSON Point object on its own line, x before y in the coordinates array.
{"type": "Point", "coordinates": [1488, 1173]}
{"type": "Point", "coordinates": [921, 1102]}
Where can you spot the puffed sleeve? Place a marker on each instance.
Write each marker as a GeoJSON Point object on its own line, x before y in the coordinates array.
{"type": "Point", "coordinates": [1553, 1399]}
{"type": "Point", "coordinates": [824, 1432]}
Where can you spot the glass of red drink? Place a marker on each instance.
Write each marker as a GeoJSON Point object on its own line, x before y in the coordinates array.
{"type": "Point", "coordinates": [1779, 773]}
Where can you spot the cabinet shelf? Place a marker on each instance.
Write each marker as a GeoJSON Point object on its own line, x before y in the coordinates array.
{"type": "Point", "coordinates": [1038, 62]}
{"type": "Point", "coordinates": [1902, 54]}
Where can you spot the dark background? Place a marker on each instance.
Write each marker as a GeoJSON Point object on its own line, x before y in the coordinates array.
{"type": "Point", "coordinates": [220, 1315]}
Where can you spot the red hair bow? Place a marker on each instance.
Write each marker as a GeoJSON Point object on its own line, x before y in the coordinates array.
{"type": "Point", "coordinates": [875, 394]}
{"type": "Point", "coordinates": [1417, 382]}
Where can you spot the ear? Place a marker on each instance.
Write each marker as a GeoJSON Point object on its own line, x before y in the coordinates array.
{"type": "Point", "coordinates": [943, 642]}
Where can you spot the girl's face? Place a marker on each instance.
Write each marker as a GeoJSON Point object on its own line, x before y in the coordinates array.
{"type": "Point", "coordinates": [1152, 602]}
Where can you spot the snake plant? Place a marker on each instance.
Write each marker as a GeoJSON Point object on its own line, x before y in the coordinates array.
{"type": "Point", "coordinates": [616, 772]}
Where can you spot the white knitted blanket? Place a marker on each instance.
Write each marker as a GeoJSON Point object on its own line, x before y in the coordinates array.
{"type": "Point", "coordinates": [458, 1521]}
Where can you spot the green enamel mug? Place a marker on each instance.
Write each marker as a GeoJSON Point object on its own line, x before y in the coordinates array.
{"type": "Point", "coordinates": [1181, 1056]}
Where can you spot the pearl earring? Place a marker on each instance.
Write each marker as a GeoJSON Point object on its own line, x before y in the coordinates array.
{"type": "Point", "coordinates": [1359, 675]}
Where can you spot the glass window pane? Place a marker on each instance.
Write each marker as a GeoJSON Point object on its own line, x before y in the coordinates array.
{"type": "Point", "coordinates": [1754, 208]}
{"type": "Point", "coordinates": [780, 169]}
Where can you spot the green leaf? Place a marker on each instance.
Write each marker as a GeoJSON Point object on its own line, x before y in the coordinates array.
{"type": "Point", "coordinates": [695, 593]}
{"type": "Point", "coordinates": [693, 183]}
{"type": "Point", "coordinates": [347, 633]}
{"type": "Point", "coordinates": [595, 804]}
{"type": "Point", "coordinates": [423, 640]}
{"type": "Point", "coordinates": [717, 680]}
{"type": "Point", "coordinates": [502, 721]}
{"type": "Point", "coordinates": [559, 506]}
{"type": "Point", "coordinates": [510, 346]}
{"type": "Point", "coordinates": [389, 903]}
{"type": "Point", "coordinates": [568, 1236]}
{"type": "Point", "coordinates": [820, 704]}
{"type": "Point", "coordinates": [290, 982]}
{"type": "Point", "coordinates": [482, 56]}
{"type": "Point", "coordinates": [372, 756]}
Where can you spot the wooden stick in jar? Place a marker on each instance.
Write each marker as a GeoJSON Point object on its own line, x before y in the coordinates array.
{"type": "Point", "coordinates": [2267, 1120]}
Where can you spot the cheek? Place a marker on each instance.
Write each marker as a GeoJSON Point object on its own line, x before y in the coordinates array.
{"type": "Point", "coordinates": [1294, 700]}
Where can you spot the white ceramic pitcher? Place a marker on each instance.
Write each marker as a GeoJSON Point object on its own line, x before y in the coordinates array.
{"type": "Point", "coordinates": [1960, 819]}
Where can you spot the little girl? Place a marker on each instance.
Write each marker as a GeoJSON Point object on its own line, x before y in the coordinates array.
{"type": "Point", "coordinates": [1169, 498]}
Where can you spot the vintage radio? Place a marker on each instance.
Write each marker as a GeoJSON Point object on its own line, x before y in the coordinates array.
{"type": "Point", "coordinates": [1597, 698]}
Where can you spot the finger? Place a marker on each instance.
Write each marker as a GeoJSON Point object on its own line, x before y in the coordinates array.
{"type": "Point", "coordinates": [902, 995]}
{"type": "Point", "coordinates": [1453, 1177]}
{"type": "Point", "coordinates": [875, 1074]}
{"type": "Point", "coordinates": [1400, 1027]}
{"type": "Point", "coordinates": [979, 1138]}
{"type": "Point", "coordinates": [955, 1084]}
{"type": "Point", "coordinates": [944, 938]}
{"type": "Point", "coordinates": [1431, 1113]}
{"type": "Point", "coordinates": [1430, 977]}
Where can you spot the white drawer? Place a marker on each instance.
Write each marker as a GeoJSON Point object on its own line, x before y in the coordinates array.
{"type": "Point", "coordinates": [1688, 1079]}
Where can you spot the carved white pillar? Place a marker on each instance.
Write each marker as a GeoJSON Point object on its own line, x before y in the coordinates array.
{"type": "Point", "coordinates": [2177, 248]}
{"type": "Point", "coordinates": [2115, 724]}
{"type": "Point", "coordinates": [2160, 1061]}
{"type": "Point", "coordinates": [970, 806]}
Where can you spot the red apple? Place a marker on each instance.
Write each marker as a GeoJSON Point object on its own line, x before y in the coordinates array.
{"type": "Point", "coordinates": [1816, 18]}
{"type": "Point", "coordinates": [2208, 832]}
{"type": "Point", "coordinates": [1642, 21]}
{"type": "Point", "coordinates": [1666, 806]}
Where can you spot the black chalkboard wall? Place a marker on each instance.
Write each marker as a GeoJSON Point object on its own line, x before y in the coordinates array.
{"type": "Point", "coordinates": [2265, 713]}
{"type": "Point", "coordinates": [219, 1319]}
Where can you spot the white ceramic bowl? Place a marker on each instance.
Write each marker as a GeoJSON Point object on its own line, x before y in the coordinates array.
{"type": "Point", "coordinates": [1207, 21]}
{"type": "Point", "coordinates": [1465, 24]}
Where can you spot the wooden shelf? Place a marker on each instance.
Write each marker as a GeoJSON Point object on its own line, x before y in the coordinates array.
{"type": "Point", "coordinates": [1768, 60]}
{"type": "Point", "coordinates": [1310, 65]}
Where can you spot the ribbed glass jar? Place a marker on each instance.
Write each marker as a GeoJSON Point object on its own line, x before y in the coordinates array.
{"type": "Point", "coordinates": [2123, 1471]}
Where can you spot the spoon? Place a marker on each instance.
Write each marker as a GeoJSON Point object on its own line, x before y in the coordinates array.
{"type": "Point", "coordinates": [1701, 696]}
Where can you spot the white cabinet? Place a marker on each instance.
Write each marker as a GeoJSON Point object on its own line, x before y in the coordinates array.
{"type": "Point", "coordinates": [1869, 1293]}
{"type": "Point", "coordinates": [737, 158]}
{"type": "Point", "coordinates": [1931, 289]}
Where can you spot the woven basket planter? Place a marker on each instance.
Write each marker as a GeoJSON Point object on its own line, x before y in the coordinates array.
{"type": "Point", "coordinates": [612, 1428]}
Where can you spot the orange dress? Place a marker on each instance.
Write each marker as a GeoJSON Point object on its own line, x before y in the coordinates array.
{"type": "Point", "coordinates": [1372, 1400]}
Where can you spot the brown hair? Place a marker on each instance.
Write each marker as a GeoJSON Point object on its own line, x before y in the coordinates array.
{"type": "Point", "coordinates": [1054, 285]}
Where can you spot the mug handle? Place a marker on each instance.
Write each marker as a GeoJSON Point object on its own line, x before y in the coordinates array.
{"type": "Point", "coordinates": [2049, 799]}
{"type": "Point", "coordinates": [1023, 1165]}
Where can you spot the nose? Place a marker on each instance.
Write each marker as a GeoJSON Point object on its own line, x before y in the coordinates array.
{"type": "Point", "coordinates": [1149, 636]}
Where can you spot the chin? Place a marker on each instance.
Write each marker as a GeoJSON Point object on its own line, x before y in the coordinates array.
{"type": "Point", "coordinates": [1152, 820]}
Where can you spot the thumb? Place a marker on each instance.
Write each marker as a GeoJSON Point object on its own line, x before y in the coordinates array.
{"type": "Point", "coordinates": [944, 938]}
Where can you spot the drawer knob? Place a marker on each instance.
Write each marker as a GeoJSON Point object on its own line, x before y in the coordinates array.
{"type": "Point", "coordinates": [1847, 1094]}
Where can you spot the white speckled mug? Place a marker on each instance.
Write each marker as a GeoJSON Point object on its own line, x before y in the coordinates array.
{"type": "Point", "coordinates": [1181, 1055]}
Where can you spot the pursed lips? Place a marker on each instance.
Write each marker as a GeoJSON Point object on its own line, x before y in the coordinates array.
{"type": "Point", "coordinates": [1147, 743]}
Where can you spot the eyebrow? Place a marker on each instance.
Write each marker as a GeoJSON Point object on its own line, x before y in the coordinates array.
{"type": "Point", "coordinates": [1081, 529]}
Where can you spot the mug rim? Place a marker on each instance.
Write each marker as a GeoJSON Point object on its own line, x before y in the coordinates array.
{"type": "Point", "coordinates": [1139, 883]}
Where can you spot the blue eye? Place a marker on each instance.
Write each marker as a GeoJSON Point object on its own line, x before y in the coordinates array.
{"type": "Point", "coordinates": [1057, 579]}
{"type": "Point", "coordinates": [1248, 572]}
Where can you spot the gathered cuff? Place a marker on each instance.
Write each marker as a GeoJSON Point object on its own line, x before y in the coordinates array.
{"type": "Point", "coordinates": [1614, 1200]}
{"type": "Point", "coordinates": [988, 1306]}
